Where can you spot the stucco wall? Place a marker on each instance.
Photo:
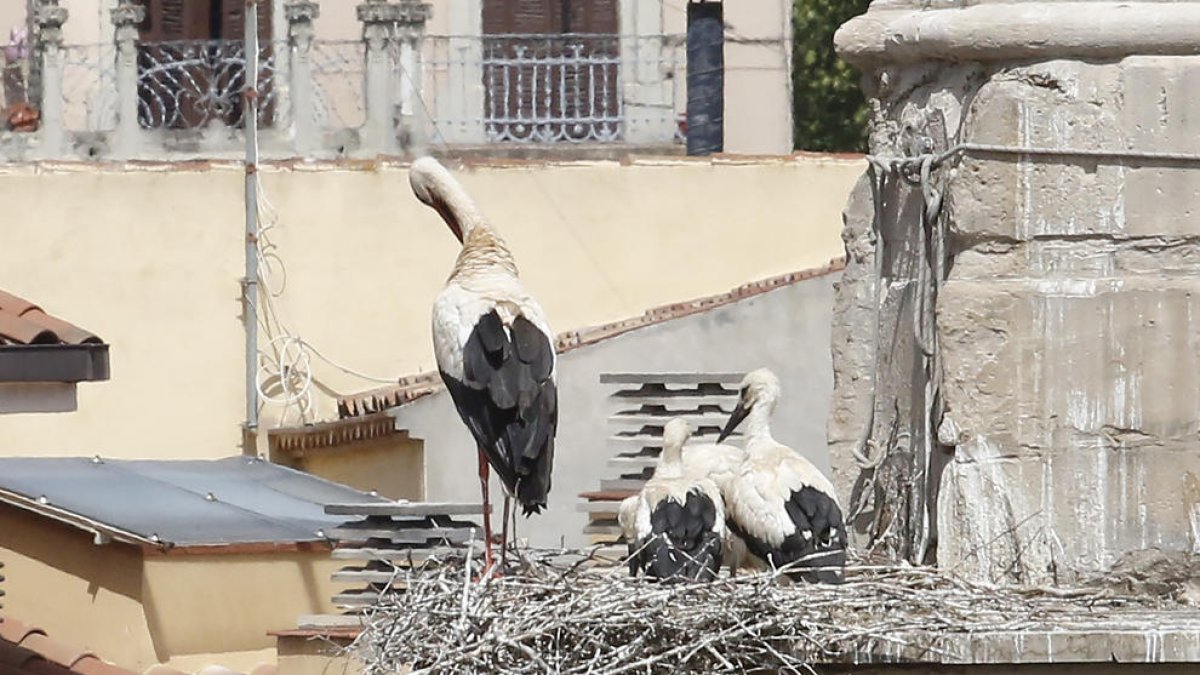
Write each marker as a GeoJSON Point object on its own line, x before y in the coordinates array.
{"type": "Point", "coordinates": [83, 595]}
{"type": "Point", "coordinates": [391, 466]}
{"type": "Point", "coordinates": [150, 259]}
{"type": "Point", "coordinates": [138, 610]}
{"type": "Point", "coordinates": [220, 608]}
{"type": "Point", "coordinates": [786, 330]}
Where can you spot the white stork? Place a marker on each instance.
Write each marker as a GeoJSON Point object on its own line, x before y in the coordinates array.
{"type": "Point", "coordinates": [494, 351]}
{"type": "Point", "coordinates": [678, 520]}
{"type": "Point", "coordinates": [778, 502]}
{"type": "Point", "coordinates": [720, 462]}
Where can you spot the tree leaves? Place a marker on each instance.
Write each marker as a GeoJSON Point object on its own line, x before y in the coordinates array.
{"type": "Point", "coordinates": [829, 111]}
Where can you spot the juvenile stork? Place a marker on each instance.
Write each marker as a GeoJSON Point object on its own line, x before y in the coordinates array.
{"type": "Point", "coordinates": [493, 349]}
{"type": "Point", "coordinates": [778, 502]}
{"type": "Point", "coordinates": [677, 523]}
{"type": "Point", "coordinates": [720, 462]}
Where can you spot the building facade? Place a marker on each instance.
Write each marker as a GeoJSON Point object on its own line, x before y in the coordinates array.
{"type": "Point", "coordinates": [128, 79]}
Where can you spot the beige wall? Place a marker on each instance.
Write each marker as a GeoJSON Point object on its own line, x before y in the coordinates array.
{"type": "Point", "coordinates": [393, 466]}
{"type": "Point", "coordinates": [137, 610]}
{"type": "Point", "coordinates": [151, 261]}
{"type": "Point", "coordinates": [86, 596]}
{"type": "Point", "coordinates": [12, 13]}
{"type": "Point", "coordinates": [758, 77]}
{"type": "Point", "coordinates": [36, 397]}
{"type": "Point", "coordinates": [220, 608]}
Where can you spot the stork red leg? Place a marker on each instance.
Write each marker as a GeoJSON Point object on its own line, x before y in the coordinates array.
{"type": "Point", "coordinates": [504, 532]}
{"type": "Point", "coordinates": [487, 514]}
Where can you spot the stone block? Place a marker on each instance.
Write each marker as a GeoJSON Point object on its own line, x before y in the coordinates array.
{"type": "Point", "coordinates": [1037, 363]}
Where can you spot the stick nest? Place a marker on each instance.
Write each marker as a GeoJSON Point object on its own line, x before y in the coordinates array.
{"type": "Point", "coordinates": [563, 612]}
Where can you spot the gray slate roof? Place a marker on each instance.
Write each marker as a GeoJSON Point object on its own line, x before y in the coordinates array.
{"type": "Point", "coordinates": [236, 500]}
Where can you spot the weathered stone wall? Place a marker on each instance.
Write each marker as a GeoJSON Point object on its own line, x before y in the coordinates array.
{"type": "Point", "coordinates": [1068, 325]}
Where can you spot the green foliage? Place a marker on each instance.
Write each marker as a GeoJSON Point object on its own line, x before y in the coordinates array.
{"type": "Point", "coordinates": [829, 111]}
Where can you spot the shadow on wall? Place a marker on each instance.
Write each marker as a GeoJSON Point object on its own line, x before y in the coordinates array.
{"type": "Point", "coordinates": [786, 330]}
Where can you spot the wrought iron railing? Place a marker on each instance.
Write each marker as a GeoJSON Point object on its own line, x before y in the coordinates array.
{"type": "Point", "coordinates": [338, 70]}
{"type": "Point", "coordinates": [189, 84]}
{"type": "Point", "coordinates": [547, 89]}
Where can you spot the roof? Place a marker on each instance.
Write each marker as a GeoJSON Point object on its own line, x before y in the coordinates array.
{"type": "Point", "coordinates": [24, 323]}
{"type": "Point", "coordinates": [38, 347]}
{"type": "Point", "coordinates": [29, 650]}
{"type": "Point", "coordinates": [191, 503]}
{"type": "Point", "coordinates": [410, 388]}
{"type": "Point", "coordinates": [297, 441]}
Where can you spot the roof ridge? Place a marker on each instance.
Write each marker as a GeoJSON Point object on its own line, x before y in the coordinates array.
{"type": "Point", "coordinates": [412, 387]}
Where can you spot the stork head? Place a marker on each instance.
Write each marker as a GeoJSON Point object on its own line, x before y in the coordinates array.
{"type": "Point", "coordinates": [675, 434]}
{"type": "Point", "coordinates": [435, 187]}
{"type": "Point", "coordinates": [758, 392]}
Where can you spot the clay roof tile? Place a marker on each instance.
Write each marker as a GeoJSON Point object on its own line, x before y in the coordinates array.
{"type": "Point", "coordinates": [22, 322]}
{"type": "Point", "coordinates": [15, 631]}
{"type": "Point", "coordinates": [53, 650]}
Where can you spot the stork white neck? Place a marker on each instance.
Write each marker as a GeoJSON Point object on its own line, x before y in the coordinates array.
{"type": "Point", "coordinates": [483, 253]}
{"type": "Point", "coordinates": [675, 434]}
{"type": "Point", "coordinates": [758, 421]}
{"type": "Point", "coordinates": [437, 188]}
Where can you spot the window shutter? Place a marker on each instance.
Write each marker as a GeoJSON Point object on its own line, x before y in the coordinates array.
{"type": "Point", "coordinates": [168, 20]}
{"type": "Point", "coordinates": [233, 17]}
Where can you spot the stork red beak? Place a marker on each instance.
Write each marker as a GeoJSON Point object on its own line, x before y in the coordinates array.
{"type": "Point", "coordinates": [735, 418]}
{"type": "Point", "coordinates": [448, 216]}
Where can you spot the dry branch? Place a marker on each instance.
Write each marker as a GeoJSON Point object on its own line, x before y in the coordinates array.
{"type": "Point", "coordinates": [571, 612]}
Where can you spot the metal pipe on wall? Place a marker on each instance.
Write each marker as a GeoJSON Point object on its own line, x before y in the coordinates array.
{"type": "Point", "coordinates": [250, 281]}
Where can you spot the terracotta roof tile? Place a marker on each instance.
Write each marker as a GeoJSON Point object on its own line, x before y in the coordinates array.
{"type": "Point", "coordinates": [14, 631]}
{"type": "Point", "coordinates": [416, 386]}
{"type": "Point", "coordinates": [52, 650]}
{"type": "Point", "coordinates": [24, 323]}
{"type": "Point", "coordinates": [90, 665]}
{"type": "Point", "coordinates": [28, 650]}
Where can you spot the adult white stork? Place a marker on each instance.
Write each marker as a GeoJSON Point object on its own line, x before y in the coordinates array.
{"type": "Point", "coordinates": [778, 502]}
{"type": "Point", "coordinates": [678, 520]}
{"type": "Point", "coordinates": [494, 351]}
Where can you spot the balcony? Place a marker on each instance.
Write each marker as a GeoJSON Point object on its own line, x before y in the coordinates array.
{"type": "Point", "coordinates": [396, 92]}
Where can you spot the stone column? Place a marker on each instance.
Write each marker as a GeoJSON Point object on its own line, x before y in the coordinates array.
{"type": "Point", "coordinates": [460, 99]}
{"type": "Point", "coordinates": [410, 32]}
{"type": "Point", "coordinates": [50, 18]}
{"type": "Point", "coordinates": [125, 18]}
{"type": "Point", "coordinates": [379, 24]}
{"type": "Point", "coordinates": [1049, 364]}
{"type": "Point", "coordinates": [648, 95]}
{"type": "Point", "coordinates": [301, 90]}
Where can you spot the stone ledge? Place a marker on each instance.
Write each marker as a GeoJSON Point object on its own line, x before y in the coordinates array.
{"type": "Point", "coordinates": [1019, 31]}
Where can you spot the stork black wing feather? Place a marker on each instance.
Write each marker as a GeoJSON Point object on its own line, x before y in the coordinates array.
{"type": "Point", "coordinates": [817, 538]}
{"type": "Point", "coordinates": [682, 544]}
{"type": "Point", "coordinates": [510, 403]}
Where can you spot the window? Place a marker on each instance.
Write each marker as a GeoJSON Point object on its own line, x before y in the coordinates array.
{"type": "Point", "coordinates": [551, 70]}
{"type": "Point", "coordinates": [191, 63]}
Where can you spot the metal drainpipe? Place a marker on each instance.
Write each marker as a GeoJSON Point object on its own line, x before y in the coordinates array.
{"type": "Point", "coordinates": [705, 78]}
{"type": "Point", "coordinates": [250, 282]}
